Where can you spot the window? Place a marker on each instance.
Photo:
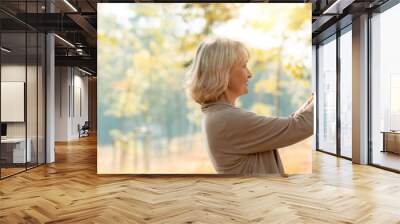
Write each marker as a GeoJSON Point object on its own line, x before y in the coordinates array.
{"type": "Point", "coordinates": [23, 87]}
{"type": "Point", "coordinates": [385, 89]}
{"type": "Point", "coordinates": [346, 93]}
{"type": "Point", "coordinates": [327, 96]}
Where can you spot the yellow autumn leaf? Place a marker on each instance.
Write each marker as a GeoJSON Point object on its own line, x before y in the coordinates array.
{"type": "Point", "coordinates": [261, 109]}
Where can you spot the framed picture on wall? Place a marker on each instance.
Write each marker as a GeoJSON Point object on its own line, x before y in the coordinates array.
{"type": "Point", "coordinates": [12, 101]}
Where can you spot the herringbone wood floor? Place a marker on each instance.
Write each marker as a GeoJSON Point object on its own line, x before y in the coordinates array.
{"type": "Point", "coordinates": [70, 191]}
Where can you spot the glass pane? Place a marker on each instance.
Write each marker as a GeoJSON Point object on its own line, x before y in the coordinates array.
{"type": "Point", "coordinates": [41, 99]}
{"type": "Point", "coordinates": [327, 97]}
{"type": "Point", "coordinates": [31, 86]}
{"type": "Point", "coordinates": [20, 79]}
{"type": "Point", "coordinates": [13, 87]}
{"type": "Point", "coordinates": [31, 97]}
{"type": "Point", "coordinates": [346, 94]}
{"type": "Point", "coordinates": [386, 89]}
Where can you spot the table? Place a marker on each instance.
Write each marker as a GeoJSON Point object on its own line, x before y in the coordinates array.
{"type": "Point", "coordinates": [391, 141]}
{"type": "Point", "coordinates": [16, 147]}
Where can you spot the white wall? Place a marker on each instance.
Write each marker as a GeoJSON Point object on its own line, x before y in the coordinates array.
{"type": "Point", "coordinates": [71, 94]}
{"type": "Point", "coordinates": [80, 110]}
{"type": "Point", "coordinates": [62, 81]}
{"type": "Point", "coordinates": [12, 73]}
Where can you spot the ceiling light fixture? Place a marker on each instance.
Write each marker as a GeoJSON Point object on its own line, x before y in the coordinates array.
{"type": "Point", "coordinates": [64, 40]}
{"type": "Point", "coordinates": [5, 49]}
{"type": "Point", "coordinates": [70, 5]}
{"type": "Point", "coordinates": [337, 7]}
{"type": "Point", "coordinates": [86, 72]}
{"type": "Point", "coordinates": [79, 51]}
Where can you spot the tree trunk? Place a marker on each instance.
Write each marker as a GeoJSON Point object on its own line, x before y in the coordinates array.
{"type": "Point", "coordinates": [278, 78]}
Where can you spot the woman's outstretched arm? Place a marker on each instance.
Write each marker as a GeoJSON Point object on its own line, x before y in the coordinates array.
{"type": "Point", "coordinates": [249, 133]}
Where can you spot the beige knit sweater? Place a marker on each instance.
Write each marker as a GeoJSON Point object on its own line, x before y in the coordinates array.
{"type": "Point", "coordinates": [242, 142]}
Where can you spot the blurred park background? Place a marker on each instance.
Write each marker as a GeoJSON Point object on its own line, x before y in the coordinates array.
{"type": "Point", "coordinates": [146, 123]}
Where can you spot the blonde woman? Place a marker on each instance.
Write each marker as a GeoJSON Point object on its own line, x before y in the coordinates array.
{"type": "Point", "coordinates": [239, 142]}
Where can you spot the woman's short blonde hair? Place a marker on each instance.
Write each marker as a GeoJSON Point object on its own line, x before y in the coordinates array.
{"type": "Point", "coordinates": [210, 69]}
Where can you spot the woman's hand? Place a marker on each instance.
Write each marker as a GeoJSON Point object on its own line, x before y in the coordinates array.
{"type": "Point", "coordinates": [310, 100]}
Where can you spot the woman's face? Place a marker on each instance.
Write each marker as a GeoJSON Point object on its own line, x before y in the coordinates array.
{"type": "Point", "coordinates": [238, 79]}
